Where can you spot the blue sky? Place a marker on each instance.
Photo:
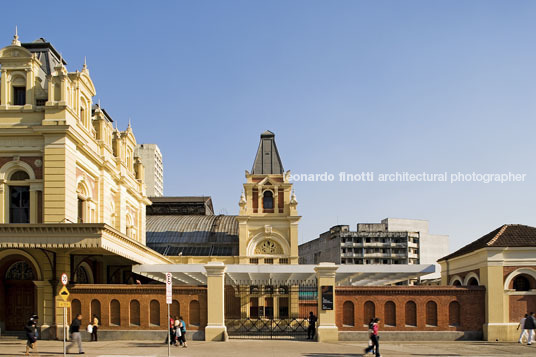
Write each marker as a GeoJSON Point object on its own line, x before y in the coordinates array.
{"type": "Point", "coordinates": [349, 86]}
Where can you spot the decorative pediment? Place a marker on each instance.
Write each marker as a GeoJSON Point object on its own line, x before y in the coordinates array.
{"type": "Point", "coordinates": [15, 52]}
{"type": "Point", "coordinates": [269, 247]}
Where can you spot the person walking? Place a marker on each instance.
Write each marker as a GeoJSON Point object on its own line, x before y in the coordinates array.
{"type": "Point", "coordinates": [522, 326]}
{"type": "Point", "coordinates": [74, 330]}
{"type": "Point", "coordinates": [370, 332]}
{"type": "Point", "coordinates": [183, 332]}
{"type": "Point", "coordinates": [177, 330]}
{"type": "Point", "coordinates": [375, 339]}
{"type": "Point", "coordinates": [530, 325]}
{"type": "Point", "coordinates": [311, 330]}
{"type": "Point", "coordinates": [95, 328]}
{"type": "Point", "coordinates": [31, 334]}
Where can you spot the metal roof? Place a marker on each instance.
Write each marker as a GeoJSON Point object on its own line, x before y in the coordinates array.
{"type": "Point", "coordinates": [192, 229]}
{"type": "Point", "coordinates": [346, 275]}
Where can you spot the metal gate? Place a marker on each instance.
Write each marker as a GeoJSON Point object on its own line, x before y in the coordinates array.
{"type": "Point", "coordinates": [269, 311]}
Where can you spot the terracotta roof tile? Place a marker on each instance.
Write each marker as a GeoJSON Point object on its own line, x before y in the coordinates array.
{"type": "Point", "coordinates": [508, 235]}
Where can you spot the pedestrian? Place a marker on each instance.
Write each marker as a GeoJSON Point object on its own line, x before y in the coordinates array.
{"type": "Point", "coordinates": [530, 325]}
{"type": "Point", "coordinates": [177, 330]}
{"type": "Point", "coordinates": [183, 332]}
{"type": "Point", "coordinates": [31, 334]}
{"type": "Point", "coordinates": [311, 330]}
{"type": "Point", "coordinates": [375, 339]}
{"type": "Point", "coordinates": [522, 325]}
{"type": "Point", "coordinates": [171, 333]}
{"type": "Point", "coordinates": [74, 330]}
{"type": "Point", "coordinates": [370, 332]}
{"type": "Point", "coordinates": [95, 328]}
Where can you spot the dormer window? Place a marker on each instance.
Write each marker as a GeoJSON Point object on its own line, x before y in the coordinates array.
{"type": "Point", "coordinates": [19, 95]}
{"type": "Point", "coordinates": [268, 200]}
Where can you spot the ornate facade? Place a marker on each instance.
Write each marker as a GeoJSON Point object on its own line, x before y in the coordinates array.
{"type": "Point", "coordinates": [72, 193]}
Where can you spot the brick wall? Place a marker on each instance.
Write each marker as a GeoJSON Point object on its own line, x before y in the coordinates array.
{"type": "Point", "coordinates": [131, 307]}
{"type": "Point", "coordinates": [417, 302]}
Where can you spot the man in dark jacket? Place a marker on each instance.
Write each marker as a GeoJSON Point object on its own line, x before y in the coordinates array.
{"type": "Point", "coordinates": [530, 325]}
{"type": "Point", "coordinates": [74, 330]}
{"type": "Point", "coordinates": [311, 330]}
{"type": "Point", "coordinates": [31, 334]}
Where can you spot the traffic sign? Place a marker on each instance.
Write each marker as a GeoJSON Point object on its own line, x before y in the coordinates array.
{"type": "Point", "coordinates": [64, 279]}
{"type": "Point", "coordinates": [64, 304]}
{"type": "Point", "coordinates": [169, 286]}
{"type": "Point", "coordinates": [64, 293]}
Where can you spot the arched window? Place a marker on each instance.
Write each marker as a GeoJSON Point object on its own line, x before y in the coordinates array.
{"type": "Point", "coordinates": [472, 282]}
{"type": "Point", "coordinates": [95, 308]}
{"type": "Point", "coordinates": [154, 313]}
{"type": "Point", "coordinates": [431, 313]}
{"type": "Point", "coordinates": [83, 196]}
{"type": "Point", "coordinates": [20, 270]}
{"type": "Point", "coordinates": [521, 283]}
{"type": "Point", "coordinates": [454, 314]}
{"type": "Point", "coordinates": [115, 313]}
{"type": "Point", "coordinates": [390, 314]}
{"type": "Point", "coordinates": [195, 313]}
{"type": "Point", "coordinates": [134, 313]}
{"type": "Point", "coordinates": [268, 200]}
{"type": "Point", "coordinates": [457, 283]}
{"type": "Point", "coordinates": [19, 176]}
{"type": "Point", "coordinates": [76, 308]}
{"type": "Point", "coordinates": [369, 312]}
{"type": "Point", "coordinates": [411, 314]}
{"type": "Point", "coordinates": [348, 313]}
{"type": "Point", "coordinates": [175, 309]}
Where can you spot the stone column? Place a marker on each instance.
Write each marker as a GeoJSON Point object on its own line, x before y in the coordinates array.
{"type": "Point", "coordinates": [215, 329]}
{"type": "Point", "coordinates": [327, 329]}
{"type": "Point", "coordinates": [4, 93]}
{"type": "Point", "coordinates": [496, 326]}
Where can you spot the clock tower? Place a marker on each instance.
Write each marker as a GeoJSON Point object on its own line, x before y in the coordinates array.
{"type": "Point", "coordinates": [268, 219]}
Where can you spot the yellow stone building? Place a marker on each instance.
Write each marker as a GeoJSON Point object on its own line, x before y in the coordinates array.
{"type": "Point", "coordinates": [72, 195]}
{"type": "Point", "coordinates": [504, 261]}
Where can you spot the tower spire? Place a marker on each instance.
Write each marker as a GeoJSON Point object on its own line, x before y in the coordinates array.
{"type": "Point", "coordinates": [267, 160]}
{"type": "Point", "coordinates": [16, 41]}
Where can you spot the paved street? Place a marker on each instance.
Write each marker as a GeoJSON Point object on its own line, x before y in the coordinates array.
{"type": "Point", "coordinates": [239, 348]}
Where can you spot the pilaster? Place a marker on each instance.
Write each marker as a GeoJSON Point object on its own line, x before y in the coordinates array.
{"type": "Point", "coordinates": [327, 329]}
{"type": "Point", "coordinates": [215, 329]}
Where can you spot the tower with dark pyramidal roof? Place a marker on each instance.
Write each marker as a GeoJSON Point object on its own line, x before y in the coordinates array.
{"type": "Point", "coordinates": [268, 219]}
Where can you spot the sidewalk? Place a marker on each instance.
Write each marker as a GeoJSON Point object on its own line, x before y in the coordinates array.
{"type": "Point", "coordinates": [262, 348]}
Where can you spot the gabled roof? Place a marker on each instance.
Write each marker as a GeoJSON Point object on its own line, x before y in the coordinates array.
{"type": "Point", "coordinates": [267, 161]}
{"type": "Point", "coordinates": [508, 235]}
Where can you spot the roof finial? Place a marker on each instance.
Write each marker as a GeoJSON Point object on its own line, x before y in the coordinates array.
{"type": "Point", "coordinates": [16, 41]}
{"type": "Point", "coordinates": [129, 126]}
{"type": "Point", "coordinates": [85, 64]}
{"type": "Point", "coordinates": [98, 102]}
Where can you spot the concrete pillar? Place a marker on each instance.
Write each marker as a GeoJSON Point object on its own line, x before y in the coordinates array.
{"type": "Point", "coordinates": [215, 329]}
{"type": "Point", "coordinates": [327, 329]}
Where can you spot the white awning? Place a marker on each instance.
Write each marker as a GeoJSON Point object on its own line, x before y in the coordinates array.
{"type": "Point", "coordinates": [252, 274]}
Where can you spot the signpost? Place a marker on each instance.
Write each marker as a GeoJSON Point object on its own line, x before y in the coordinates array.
{"type": "Point", "coordinates": [64, 294]}
{"type": "Point", "coordinates": [169, 301]}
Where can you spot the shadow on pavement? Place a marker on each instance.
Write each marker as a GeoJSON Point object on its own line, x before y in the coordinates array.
{"type": "Point", "coordinates": [333, 355]}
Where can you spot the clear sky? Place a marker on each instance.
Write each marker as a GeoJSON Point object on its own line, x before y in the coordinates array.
{"type": "Point", "coordinates": [352, 86]}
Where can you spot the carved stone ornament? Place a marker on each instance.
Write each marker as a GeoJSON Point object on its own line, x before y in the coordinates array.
{"type": "Point", "coordinates": [268, 247]}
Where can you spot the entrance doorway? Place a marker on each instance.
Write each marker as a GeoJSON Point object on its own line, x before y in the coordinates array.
{"type": "Point", "coordinates": [19, 295]}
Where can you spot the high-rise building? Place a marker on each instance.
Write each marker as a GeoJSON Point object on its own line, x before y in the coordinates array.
{"type": "Point", "coordinates": [393, 241]}
{"type": "Point", "coordinates": [151, 158]}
